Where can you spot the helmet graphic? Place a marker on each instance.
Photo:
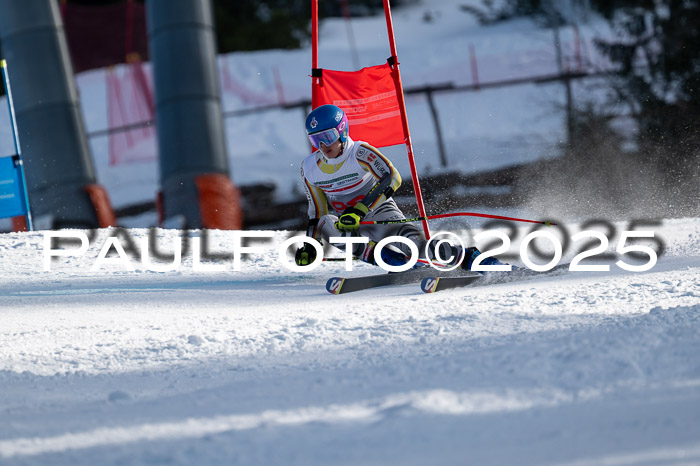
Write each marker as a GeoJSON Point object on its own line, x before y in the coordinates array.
{"type": "Point", "coordinates": [326, 124]}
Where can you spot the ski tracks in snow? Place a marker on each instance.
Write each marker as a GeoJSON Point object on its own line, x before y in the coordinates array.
{"type": "Point", "coordinates": [263, 366]}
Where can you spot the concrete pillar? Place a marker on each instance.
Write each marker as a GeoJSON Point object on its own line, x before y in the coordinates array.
{"type": "Point", "coordinates": [194, 172]}
{"type": "Point", "coordinates": [60, 174]}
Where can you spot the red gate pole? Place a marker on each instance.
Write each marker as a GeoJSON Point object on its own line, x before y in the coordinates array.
{"type": "Point", "coordinates": [394, 63]}
{"type": "Point", "coordinates": [315, 80]}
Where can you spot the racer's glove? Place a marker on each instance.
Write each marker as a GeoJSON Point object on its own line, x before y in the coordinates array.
{"type": "Point", "coordinates": [305, 255]}
{"type": "Point", "coordinates": [351, 217]}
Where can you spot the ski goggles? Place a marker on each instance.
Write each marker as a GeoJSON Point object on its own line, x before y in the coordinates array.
{"type": "Point", "coordinates": [327, 137]}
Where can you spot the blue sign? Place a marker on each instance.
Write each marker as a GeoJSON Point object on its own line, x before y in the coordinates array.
{"type": "Point", "coordinates": [12, 193]}
{"type": "Point", "coordinates": [14, 200]}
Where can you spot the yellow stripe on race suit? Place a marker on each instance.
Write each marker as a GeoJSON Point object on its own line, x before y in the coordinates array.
{"type": "Point", "coordinates": [327, 168]}
{"type": "Point", "coordinates": [319, 205]}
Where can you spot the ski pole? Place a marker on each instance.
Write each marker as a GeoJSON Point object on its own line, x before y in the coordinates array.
{"type": "Point", "coordinates": [342, 259]}
{"type": "Point", "coordinates": [456, 214]}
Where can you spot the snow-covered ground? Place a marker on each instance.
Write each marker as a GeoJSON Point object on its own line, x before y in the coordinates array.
{"type": "Point", "coordinates": [263, 366]}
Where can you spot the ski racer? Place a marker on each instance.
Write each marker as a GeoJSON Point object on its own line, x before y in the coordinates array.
{"type": "Point", "coordinates": [349, 181]}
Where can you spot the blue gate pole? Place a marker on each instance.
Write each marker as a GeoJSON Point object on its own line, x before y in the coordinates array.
{"type": "Point", "coordinates": [15, 137]}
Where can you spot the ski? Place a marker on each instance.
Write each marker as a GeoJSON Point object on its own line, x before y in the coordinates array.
{"type": "Point", "coordinates": [436, 283]}
{"type": "Point", "coordinates": [340, 285]}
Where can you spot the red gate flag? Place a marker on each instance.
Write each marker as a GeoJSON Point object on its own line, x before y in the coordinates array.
{"type": "Point", "coordinates": [368, 98]}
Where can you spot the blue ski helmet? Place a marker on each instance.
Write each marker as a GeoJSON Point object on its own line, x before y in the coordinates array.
{"type": "Point", "coordinates": [326, 124]}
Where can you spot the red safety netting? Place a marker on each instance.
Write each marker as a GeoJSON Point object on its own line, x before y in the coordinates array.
{"type": "Point", "coordinates": [239, 88]}
{"type": "Point", "coordinates": [130, 102]}
{"type": "Point", "coordinates": [368, 98]}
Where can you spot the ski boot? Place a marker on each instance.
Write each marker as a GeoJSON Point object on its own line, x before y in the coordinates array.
{"type": "Point", "coordinates": [470, 254]}
{"type": "Point", "coordinates": [388, 255]}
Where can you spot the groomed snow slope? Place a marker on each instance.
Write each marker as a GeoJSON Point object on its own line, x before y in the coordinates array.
{"type": "Point", "coordinates": [263, 366]}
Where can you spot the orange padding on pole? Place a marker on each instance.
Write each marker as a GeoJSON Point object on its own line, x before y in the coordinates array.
{"type": "Point", "coordinates": [219, 202]}
{"type": "Point", "coordinates": [103, 208]}
{"type": "Point", "coordinates": [19, 223]}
